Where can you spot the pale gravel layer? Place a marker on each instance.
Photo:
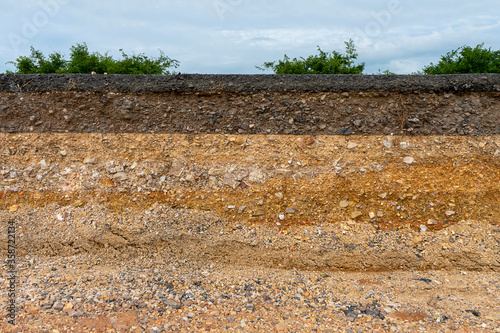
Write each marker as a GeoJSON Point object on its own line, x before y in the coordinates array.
{"type": "Point", "coordinates": [178, 295]}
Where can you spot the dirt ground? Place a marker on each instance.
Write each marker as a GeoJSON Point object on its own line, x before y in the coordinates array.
{"type": "Point", "coordinates": [252, 211]}
{"type": "Point", "coordinates": [301, 113]}
{"type": "Point", "coordinates": [353, 208]}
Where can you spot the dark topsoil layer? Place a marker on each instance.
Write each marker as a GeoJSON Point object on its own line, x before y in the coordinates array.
{"type": "Point", "coordinates": [323, 113]}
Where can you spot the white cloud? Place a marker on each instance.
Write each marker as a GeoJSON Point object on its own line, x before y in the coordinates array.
{"type": "Point", "coordinates": [233, 36]}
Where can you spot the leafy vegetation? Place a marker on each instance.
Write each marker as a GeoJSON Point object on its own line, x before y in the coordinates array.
{"type": "Point", "coordinates": [465, 60]}
{"type": "Point", "coordinates": [85, 62]}
{"type": "Point", "coordinates": [386, 72]}
{"type": "Point", "coordinates": [323, 63]}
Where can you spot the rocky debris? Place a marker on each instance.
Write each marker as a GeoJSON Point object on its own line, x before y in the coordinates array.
{"type": "Point", "coordinates": [58, 306]}
{"type": "Point", "coordinates": [120, 176]}
{"type": "Point", "coordinates": [356, 214]}
{"type": "Point", "coordinates": [345, 131]}
{"type": "Point", "coordinates": [404, 145]}
{"type": "Point", "coordinates": [188, 231]}
{"type": "Point", "coordinates": [351, 145]}
{"type": "Point", "coordinates": [152, 294]}
{"type": "Point", "coordinates": [68, 306]}
{"type": "Point", "coordinates": [474, 312]}
{"type": "Point", "coordinates": [373, 309]}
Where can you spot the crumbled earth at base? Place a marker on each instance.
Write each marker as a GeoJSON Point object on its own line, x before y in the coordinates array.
{"type": "Point", "coordinates": [157, 293]}
{"type": "Point", "coordinates": [88, 269]}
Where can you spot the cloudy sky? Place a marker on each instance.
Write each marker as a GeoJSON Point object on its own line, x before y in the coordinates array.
{"type": "Point", "coordinates": [234, 36]}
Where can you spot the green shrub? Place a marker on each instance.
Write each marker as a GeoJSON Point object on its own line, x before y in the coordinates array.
{"type": "Point", "coordinates": [465, 60]}
{"type": "Point", "coordinates": [386, 72]}
{"type": "Point", "coordinates": [323, 63]}
{"type": "Point", "coordinates": [84, 62]}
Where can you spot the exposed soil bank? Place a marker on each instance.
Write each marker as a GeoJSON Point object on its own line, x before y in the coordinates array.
{"type": "Point", "coordinates": [256, 203]}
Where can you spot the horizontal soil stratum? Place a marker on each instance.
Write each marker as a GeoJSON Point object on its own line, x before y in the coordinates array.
{"type": "Point", "coordinates": [252, 203]}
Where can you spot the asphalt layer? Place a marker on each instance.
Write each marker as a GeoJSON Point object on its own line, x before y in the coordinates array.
{"type": "Point", "coordinates": [249, 83]}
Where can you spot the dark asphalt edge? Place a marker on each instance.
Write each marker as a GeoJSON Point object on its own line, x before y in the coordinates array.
{"type": "Point", "coordinates": [189, 83]}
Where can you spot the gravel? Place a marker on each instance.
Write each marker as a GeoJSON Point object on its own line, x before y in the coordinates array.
{"type": "Point", "coordinates": [166, 274]}
{"type": "Point", "coordinates": [172, 294]}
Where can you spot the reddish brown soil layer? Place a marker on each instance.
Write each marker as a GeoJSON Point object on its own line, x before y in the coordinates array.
{"type": "Point", "coordinates": [291, 180]}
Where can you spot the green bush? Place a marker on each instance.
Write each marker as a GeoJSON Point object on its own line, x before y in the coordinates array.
{"type": "Point", "coordinates": [386, 72]}
{"type": "Point", "coordinates": [323, 63]}
{"type": "Point", "coordinates": [82, 61]}
{"type": "Point", "coordinates": [465, 60]}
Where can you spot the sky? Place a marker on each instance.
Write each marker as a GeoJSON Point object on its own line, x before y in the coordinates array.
{"type": "Point", "coordinates": [235, 36]}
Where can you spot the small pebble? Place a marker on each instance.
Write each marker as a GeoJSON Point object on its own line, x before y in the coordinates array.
{"type": "Point", "coordinates": [408, 160]}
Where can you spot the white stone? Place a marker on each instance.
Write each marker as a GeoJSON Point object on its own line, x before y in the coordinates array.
{"type": "Point", "coordinates": [408, 160]}
{"type": "Point", "coordinates": [388, 142]}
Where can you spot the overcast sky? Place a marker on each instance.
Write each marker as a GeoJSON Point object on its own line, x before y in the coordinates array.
{"type": "Point", "coordinates": [234, 36]}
